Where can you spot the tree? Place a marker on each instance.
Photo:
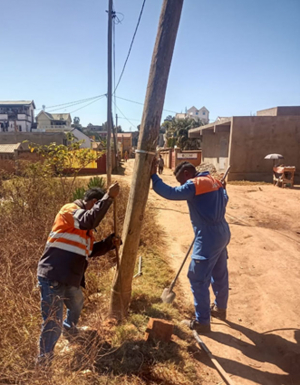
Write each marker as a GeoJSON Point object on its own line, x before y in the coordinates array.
{"type": "Point", "coordinates": [177, 133]}
{"type": "Point", "coordinates": [65, 161]}
{"type": "Point", "coordinates": [76, 123]}
{"type": "Point", "coordinates": [169, 118]}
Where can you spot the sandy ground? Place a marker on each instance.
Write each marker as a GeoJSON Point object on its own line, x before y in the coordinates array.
{"type": "Point", "coordinates": [260, 341]}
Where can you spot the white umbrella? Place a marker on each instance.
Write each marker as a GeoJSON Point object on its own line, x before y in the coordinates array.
{"type": "Point", "coordinates": [274, 156]}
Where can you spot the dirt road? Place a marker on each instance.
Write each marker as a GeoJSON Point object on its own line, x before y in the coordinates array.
{"type": "Point", "coordinates": [260, 342]}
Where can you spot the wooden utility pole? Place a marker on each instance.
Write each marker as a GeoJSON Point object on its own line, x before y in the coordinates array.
{"type": "Point", "coordinates": [109, 93]}
{"type": "Point", "coordinates": [115, 135]}
{"type": "Point", "coordinates": [149, 131]}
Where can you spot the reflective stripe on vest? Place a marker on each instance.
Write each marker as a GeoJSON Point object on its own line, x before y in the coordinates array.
{"type": "Point", "coordinates": [60, 244]}
{"type": "Point", "coordinates": [206, 184]}
{"type": "Point", "coordinates": [67, 236]}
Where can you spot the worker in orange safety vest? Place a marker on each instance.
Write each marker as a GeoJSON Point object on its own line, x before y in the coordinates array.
{"type": "Point", "coordinates": [64, 261]}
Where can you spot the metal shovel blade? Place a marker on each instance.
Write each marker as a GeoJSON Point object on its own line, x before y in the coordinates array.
{"type": "Point", "coordinates": [167, 295]}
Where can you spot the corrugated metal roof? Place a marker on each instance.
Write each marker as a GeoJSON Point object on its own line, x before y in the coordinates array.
{"type": "Point", "coordinates": [9, 148]}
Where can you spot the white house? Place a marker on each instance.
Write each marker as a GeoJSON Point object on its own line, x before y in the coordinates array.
{"type": "Point", "coordinates": [53, 122]}
{"type": "Point", "coordinates": [196, 114]}
{"type": "Point", "coordinates": [81, 136]}
{"type": "Point", "coordinates": [47, 122]}
{"type": "Point", "coordinates": [16, 115]}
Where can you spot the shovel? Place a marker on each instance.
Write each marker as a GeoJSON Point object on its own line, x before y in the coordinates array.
{"type": "Point", "coordinates": [168, 295]}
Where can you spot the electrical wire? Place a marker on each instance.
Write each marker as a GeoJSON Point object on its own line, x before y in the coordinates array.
{"type": "Point", "coordinates": [94, 101]}
{"type": "Point", "coordinates": [126, 118]}
{"type": "Point", "coordinates": [116, 18]}
{"type": "Point", "coordinates": [133, 101]}
{"type": "Point", "coordinates": [69, 106]}
{"type": "Point", "coordinates": [131, 44]}
{"type": "Point", "coordinates": [137, 120]}
{"type": "Point", "coordinates": [72, 103]}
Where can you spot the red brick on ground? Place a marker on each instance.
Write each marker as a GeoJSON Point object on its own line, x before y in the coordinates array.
{"type": "Point", "coordinates": [159, 329]}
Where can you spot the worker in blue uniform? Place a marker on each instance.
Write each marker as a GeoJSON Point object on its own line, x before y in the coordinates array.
{"type": "Point", "coordinates": [207, 199]}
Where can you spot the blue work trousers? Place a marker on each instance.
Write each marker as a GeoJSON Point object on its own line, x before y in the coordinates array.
{"type": "Point", "coordinates": [202, 273]}
{"type": "Point", "coordinates": [53, 297]}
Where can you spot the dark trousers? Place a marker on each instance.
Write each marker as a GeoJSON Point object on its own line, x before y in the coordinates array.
{"type": "Point", "coordinates": [53, 297]}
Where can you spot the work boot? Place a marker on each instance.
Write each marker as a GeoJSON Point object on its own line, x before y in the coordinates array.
{"type": "Point", "coordinates": [217, 312]}
{"type": "Point", "coordinates": [70, 333]}
{"type": "Point", "coordinates": [195, 325]}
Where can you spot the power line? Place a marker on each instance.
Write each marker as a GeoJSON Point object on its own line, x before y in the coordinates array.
{"type": "Point", "coordinates": [126, 118]}
{"type": "Point", "coordinates": [72, 103]}
{"type": "Point", "coordinates": [133, 101]}
{"type": "Point", "coordinates": [87, 104]}
{"type": "Point", "coordinates": [137, 120]}
{"type": "Point", "coordinates": [131, 44]}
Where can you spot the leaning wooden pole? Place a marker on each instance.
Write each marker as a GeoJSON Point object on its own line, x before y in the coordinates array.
{"type": "Point", "coordinates": [155, 96]}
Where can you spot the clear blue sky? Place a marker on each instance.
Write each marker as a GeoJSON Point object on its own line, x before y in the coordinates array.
{"type": "Point", "coordinates": [232, 56]}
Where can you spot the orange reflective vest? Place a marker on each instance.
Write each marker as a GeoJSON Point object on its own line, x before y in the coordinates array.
{"type": "Point", "coordinates": [66, 234]}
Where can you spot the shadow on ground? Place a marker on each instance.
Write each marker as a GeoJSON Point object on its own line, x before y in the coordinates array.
{"type": "Point", "coordinates": [265, 347]}
{"type": "Point", "coordinates": [133, 357]}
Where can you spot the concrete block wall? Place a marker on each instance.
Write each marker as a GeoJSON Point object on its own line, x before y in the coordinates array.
{"type": "Point", "coordinates": [193, 160]}
{"type": "Point", "coordinates": [252, 138]}
{"type": "Point", "coordinates": [215, 148]}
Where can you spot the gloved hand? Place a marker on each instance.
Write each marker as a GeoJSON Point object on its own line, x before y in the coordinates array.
{"type": "Point", "coordinates": [154, 166]}
{"type": "Point", "coordinates": [116, 241]}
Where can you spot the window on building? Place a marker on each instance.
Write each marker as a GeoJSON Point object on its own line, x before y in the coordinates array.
{"type": "Point", "coordinates": [196, 113]}
{"type": "Point", "coordinates": [203, 113]}
{"type": "Point", "coordinates": [20, 128]}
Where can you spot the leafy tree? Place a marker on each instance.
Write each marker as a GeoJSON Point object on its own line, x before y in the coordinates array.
{"type": "Point", "coordinates": [65, 161]}
{"type": "Point", "coordinates": [76, 123]}
{"type": "Point", "coordinates": [177, 133]}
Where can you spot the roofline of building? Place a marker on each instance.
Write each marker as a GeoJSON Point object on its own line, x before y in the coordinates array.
{"type": "Point", "coordinates": [226, 122]}
{"type": "Point", "coordinates": [17, 103]}
{"type": "Point", "coordinates": [51, 118]}
{"type": "Point", "coordinates": [196, 132]}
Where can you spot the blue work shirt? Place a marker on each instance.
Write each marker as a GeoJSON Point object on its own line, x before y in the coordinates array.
{"type": "Point", "coordinates": [207, 200]}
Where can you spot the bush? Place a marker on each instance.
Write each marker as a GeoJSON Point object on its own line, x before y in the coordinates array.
{"type": "Point", "coordinates": [78, 193]}
{"type": "Point", "coordinates": [96, 181]}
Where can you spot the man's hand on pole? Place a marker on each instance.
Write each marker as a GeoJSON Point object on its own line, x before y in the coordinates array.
{"type": "Point", "coordinates": [113, 190]}
{"type": "Point", "coordinates": [117, 241]}
{"type": "Point", "coordinates": [154, 166]}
